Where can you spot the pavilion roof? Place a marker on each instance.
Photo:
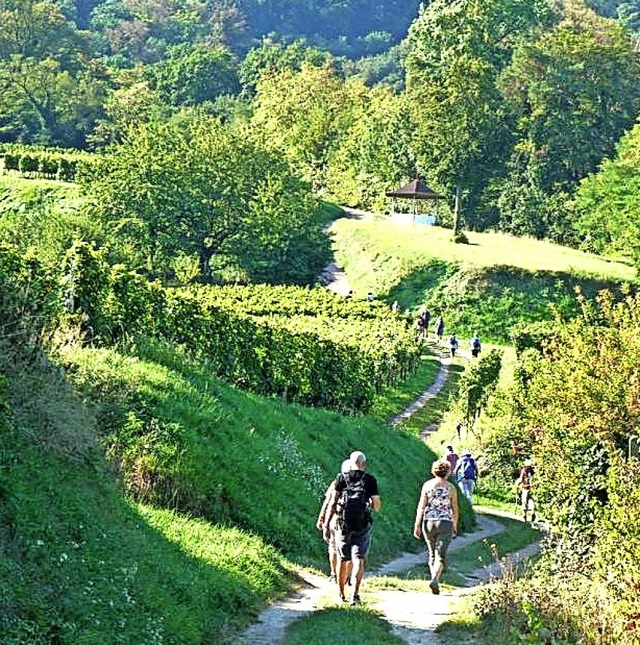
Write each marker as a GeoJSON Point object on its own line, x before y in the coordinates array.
{"type": "Point", "coordinates": [415, 189]}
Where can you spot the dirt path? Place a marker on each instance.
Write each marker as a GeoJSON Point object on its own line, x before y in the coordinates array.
{"type": "Point", "coordinates": [426, 396]}
{"type": "Point", "coordinates": [333, 277]}
{"type": "Point", "coordinates": [414, 616]}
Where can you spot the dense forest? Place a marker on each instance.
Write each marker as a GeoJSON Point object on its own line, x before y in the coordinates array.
{"type": "Point", "coordinates": [508, 105]}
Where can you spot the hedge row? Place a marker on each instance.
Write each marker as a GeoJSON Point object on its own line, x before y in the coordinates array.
{"type": "Point", "coordinates": [47, 163]}
{"type": "Point", "coordinates": [338, 362]}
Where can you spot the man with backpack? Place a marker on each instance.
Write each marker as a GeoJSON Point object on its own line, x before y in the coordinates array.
{"type": "Point", "coordinates": [355, 495]}
{"type": "Point", "coordinates": [466, 473]}
{"type": "Point", "coordinates": [320, 524]}
{"type": "Point", "coordinates": [475, 345]}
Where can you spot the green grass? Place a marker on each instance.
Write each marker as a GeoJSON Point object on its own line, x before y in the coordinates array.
{"type": "Point", "coordinates": [80, 563]}
{"type": "Point", "coordinates": [340, 626]}
{"type": "Point", "coordinates": [396, 398]}
{"type": "Point", "coordinates": [435, 409]}
{"type": "Point", "coordinates": [487, 286]}
{"type": "Point", "coordinates": [184, 505]}
{"type": "Point", "coordinates": [411, 246]}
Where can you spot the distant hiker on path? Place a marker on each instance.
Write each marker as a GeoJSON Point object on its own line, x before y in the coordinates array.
{"type": "Point", "coordinates": [523, 482]}
{"type": "Point", "coordinates": [466, 473]}
{"type": "Point", "coordinates": [452, 457]}
{"type": "Point", "coordinates": [439, 328]}
{"type": "Point", "coordinates": [437, 519]}
{"type": "Point", "coordinates": [355, 494]}
{"type": "Point", "coordinates": [475, 346]}
{"type": "Point", "coordinates": [422, 322]}
{"type": "Point", "coordinates": [320, 524]}
{"type": "Point", "coordinates": [453, 345]}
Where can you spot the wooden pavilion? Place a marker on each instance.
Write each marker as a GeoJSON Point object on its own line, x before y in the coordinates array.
{"type": "Point", "coordinates": [414, 190]}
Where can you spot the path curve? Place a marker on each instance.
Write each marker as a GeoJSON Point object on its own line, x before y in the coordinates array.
{"type": "Point", "coordinates": [413, 615]}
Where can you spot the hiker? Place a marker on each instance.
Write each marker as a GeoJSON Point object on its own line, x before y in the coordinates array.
{"type": "Point", "coordinates": [439, 328]}
{"type": "Point", "coordinates": [370, 296]}
{"type": "Point", "coordinates": [459, 429]}
{"type": "Point", "coordinates": [422, 322]}
{"type": "Point", "coordinates": [395, 307]}
{"type": "Point", "coordinates": [474, 345]}
{"type": "Point", "coordinates": [524, 484]}
{"type": "Point", "coordinates": [453, 345]}
{"type": "Point", "coordinates": [355, 494]}
{"type": "Point", "coordinates": [466, 473]}
{"type": "Point", "coordinates": [331, 542]}
{"type": "Point", "coordinates": [437, 519]}
{"type": "Point", "coordinates": [452, 457]}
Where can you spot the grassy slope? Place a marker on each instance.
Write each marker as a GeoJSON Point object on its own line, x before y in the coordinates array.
{"type": "Point", "coordinates": [487, 285]}
{"type": "Point", "coordinates": [79, 561]}
{"type": "Point", "coordinates": [80, 564]}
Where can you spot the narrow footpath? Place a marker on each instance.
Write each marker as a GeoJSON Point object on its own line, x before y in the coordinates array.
{"type": "Point", "coordinates": [413, 616]}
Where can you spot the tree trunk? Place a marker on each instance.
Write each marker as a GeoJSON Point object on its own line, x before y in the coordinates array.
{"type": "Point", "coordinates": [204, 263]}
{"type": "Point", "coordinates": [456, 212]}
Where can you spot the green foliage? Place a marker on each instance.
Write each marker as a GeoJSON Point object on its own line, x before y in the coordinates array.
{"type": "Point", "coordinates": [272, 57]}
{"type": "Point", "coordinates": [41, 217]}
{"type": "Point", "coordinates": [303, 116]}
{"type": "Point", "coordinates": [48, 163]}
{"type": "Point", "coordinates": [477, 384]}
{"type": "Point", "coordinates": [531, 336]}
{"type": "Point", "coordinates": [191, 75]}
{"type": "Point", "coordinates": [573, 93]}
{"type": "Point", "coordinates": [607, 200]}
{"type": "Point", "coordinates": [194, 186]}
{"type": "Point", "coordinates": [374, 153]}
{"type": "Point", "coordinates": [454, 57]}
{"type": "Point", "coordinates": [575, 413]}
{"type": "Point", "coordinates": [29, 297]}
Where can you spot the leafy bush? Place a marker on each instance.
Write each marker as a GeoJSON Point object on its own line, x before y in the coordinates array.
{"type": "Point", "coordinates": [575, 411]}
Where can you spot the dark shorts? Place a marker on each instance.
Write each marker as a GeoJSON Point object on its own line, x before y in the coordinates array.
{"type": "Point", "coordinates": [353, 544]}
{"type": "Point", "coordinates": [437, 535]}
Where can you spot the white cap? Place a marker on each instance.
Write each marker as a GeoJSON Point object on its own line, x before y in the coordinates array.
{"type": "Point", "coordinates": [346, 466]}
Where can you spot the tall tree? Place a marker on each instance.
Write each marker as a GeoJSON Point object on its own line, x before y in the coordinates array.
{"type": "Point", "coordinates": [193, 186]}
{"type": "Point", "coordinates": [573, 91]}
{"type": "Point", "coordinates": [51, 88]}
{"type": "Point", "coordinates": [607, 203]}
{"type": "Point", "coordinates": [456, 51]}
{"type": "Point", "coordinates": [304, 115]}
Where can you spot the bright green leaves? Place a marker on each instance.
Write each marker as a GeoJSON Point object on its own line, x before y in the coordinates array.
{"type": "Point", "coordinates": [194, 187]}
{"type": "Point", "coordinates": [608, 201]}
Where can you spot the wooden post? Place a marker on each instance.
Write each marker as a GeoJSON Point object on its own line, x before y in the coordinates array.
{"type": "Point", "coordinates": [456, 211]}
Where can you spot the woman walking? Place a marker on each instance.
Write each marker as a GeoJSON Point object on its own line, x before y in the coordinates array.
{"type": "Point", "coordinates": [437, 519]}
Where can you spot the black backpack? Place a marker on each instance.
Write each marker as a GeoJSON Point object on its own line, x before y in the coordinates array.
{"type": "Point", "coordinates": [353, 508]}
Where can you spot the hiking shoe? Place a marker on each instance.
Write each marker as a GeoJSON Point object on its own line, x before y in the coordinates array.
{"type": "Point", "coordinates": [355, 600]}
{"type": "Point", "coordinates": [434, 586]}
{"type": "Point", "coordinates": [341, 598]}
{"type": "Point", "coordinates": [332, 578]}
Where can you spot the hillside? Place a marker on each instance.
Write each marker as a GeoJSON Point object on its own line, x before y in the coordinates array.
{"type": "Point", "coordinates": [489, 285]}
{"type": "Point", "coordinates": [168, 504]}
